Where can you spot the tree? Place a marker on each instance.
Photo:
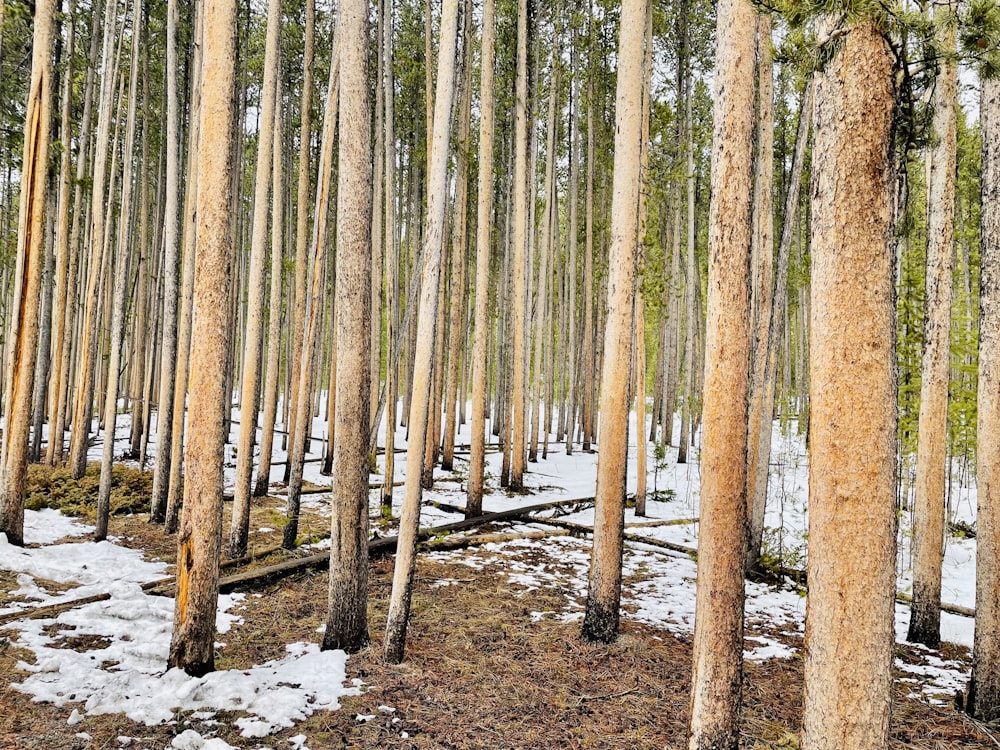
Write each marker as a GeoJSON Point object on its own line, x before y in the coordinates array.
{"type": "Point", "coordinates": [983, 699]}
{"type": "Point", "coordinates": [932, 430]}
{"type": "Point", "coordinates": [22, 337]}
{"type": "Point", "coordinates": [171, 269]}
{"type": "Point", "coordinates": [718, 627]}
{"type": "Point", "coordinates": [199, 539]}
{"type": "Point", "coordinates": [420, 398]}
{"type": "Point", "coordinates": [849, 617]}
{"type": "Point", "coordinates": [250, 384]}
{"type": "Point", "coordinates": [347, 624]}
{"type": "Point", "coordinates": [600, 621]}
{"type": "Point", "coordinates": [484, 213]}
{"type": "Point", "coordinates": [519, 303]}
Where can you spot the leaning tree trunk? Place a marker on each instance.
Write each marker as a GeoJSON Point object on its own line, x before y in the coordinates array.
{"type": "Point", "coordinates": [983, 701]}
{"type": "Point", "coordinates": [600, 621]}
{"type": "Point", "coordinates": [718, 625]}
{"type": "Point", "coordinates": [199, 539]}
{"type": "Point", "coordinates": [420, 398]}
{"type": "Point", "coordinates": [932, 426]}
{"type": "Point", "coordinates": [22, 337]}
{"type": "Point", "coordinates": [849, 625]}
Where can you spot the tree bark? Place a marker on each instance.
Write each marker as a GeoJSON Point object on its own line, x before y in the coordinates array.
{"type": "Point", "coordinates": [347, 624]}
{"type": "Point", "coordinates": [199, 540]}
{"type": "Point", "coordinates": [983, 700]}
{"type": "Point", "coordinates": [420, 399]}
{"type": "Point", "coordinates": [849, 620]}
{"type": "Point", "coordinates": [932, 426]}
{"type": "Point", "coordinates": [22, 336]}
{"type": "Point", "coordinates": [484, 216]}
{"type": "Point", "coordinates": [253, 328]}
{"type": "Point", "coordinates": [602, 614]}
{"type": "Point", "coordinates": [718, 627]}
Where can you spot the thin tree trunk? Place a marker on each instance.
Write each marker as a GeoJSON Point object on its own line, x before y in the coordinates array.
{"type": "Point", "coordinates": [932, 429]}
{"type": "Point", "coordinates": [391, 264]}
{"type": "Point", "coordinates": [274, 313]}
{"type": "Point", "coordinates": [253, 327]}
{"type": "Point", "coordinates": [119, 291]}
{"type": "Point", "coordinates": [171, 267]}
{"type": "Point", "coordinates": [402, 581]}
{"type": "Point", "coordinates": [484, 216]}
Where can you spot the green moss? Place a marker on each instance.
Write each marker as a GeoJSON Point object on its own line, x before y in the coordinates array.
{"type": "Point", "coordinates": [50, 487]}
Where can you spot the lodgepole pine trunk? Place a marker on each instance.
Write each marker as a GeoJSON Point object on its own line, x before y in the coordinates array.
{"type": "Point", "coordinates": [484, 215]}
{"type": "Point", "coordinates": [200, 535]}
{"type": "Point", "coordinates": [983, 699]}
{"type": "Point", "coordinates": [849, 618]}
{"type": "Point", "coordinates": [932, 429]}
{"type": "Point", "coordinates": [22, 336]}
{"type": "Point", "coordinates": [253, 328]}
{"type": "Point", "coordinates": [347, 624]}
{"type": "Point", "coordinates": [420, 399]}
{"type": "Point", "coordinates": [718, 628]}
{"type": "Point", "coordinates": [602, 614]}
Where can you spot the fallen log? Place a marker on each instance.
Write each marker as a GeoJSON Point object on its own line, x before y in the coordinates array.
{"type": "Point", "coordinates": [377, 547]}
{"type": "Point", "coordinates": [578, 529]}
{"type": "Point", "coordinates": [664, 522]}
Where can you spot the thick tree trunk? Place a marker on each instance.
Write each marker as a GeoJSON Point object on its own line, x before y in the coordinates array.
{"type": "Point", "coordinates": [22, 336]}
{"type": "Point", "coordinates": [199, 540]}
{"type": "Point", "coordinates": [601, 618]}
{"type": "Point", "coordinates": [932, 429]}
{"type": "Point", "coordinates": [420, 399]}
{"type": "Point", "coordinates": [347, 624]}
{"type": "Point", "coordinates": [718, 627]}
{"type": "Point", "coordinates": [849, 626]}
{"type": "Point", "coordinates": [983, 701]}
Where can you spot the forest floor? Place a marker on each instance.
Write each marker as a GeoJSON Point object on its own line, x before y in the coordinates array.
{"type": "Point", "coordinates": [493, 659]}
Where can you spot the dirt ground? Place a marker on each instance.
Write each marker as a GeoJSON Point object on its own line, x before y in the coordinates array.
{"type": "Point", "coordinates": [479, 673]}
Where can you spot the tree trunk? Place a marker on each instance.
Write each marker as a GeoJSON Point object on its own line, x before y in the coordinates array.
{"type": "Point", "coordinates": [484, 216]}
{"type": "Point", "coordinates": [118, 294]}
{"type": "Point", "coordinates": [601, 618]}
{"type": "Point", "coordinates": [420, 399]}
{"type": "Point", "coordinates": [519, 301]}
{"type": "Point", "coordinates": [250, 383]}
{"type": "Point", "coordinates": [200, 535]}
{"type": "Point", "coordinates": [932, 429]}
{"type": "Point", "coordinates": [22, 336]}
{"type": "Point", "coordinates": [849, 627]}
{"type": "Point", "coordinates": [983, 701]}
{"type": "Point", "coordinates": [391, 264]}
{"type": "Point", "coordinates": [171, 268]}
{"type": "Point", "coordinates": [718, 626]}
{"type": "Point", "coordinates": [762, 265]}
{"type": "Point", "coordinates": [347, 624]}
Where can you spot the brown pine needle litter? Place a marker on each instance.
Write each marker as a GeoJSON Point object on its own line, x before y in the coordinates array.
{"type": "Point", "coordinates": [480, 672]}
